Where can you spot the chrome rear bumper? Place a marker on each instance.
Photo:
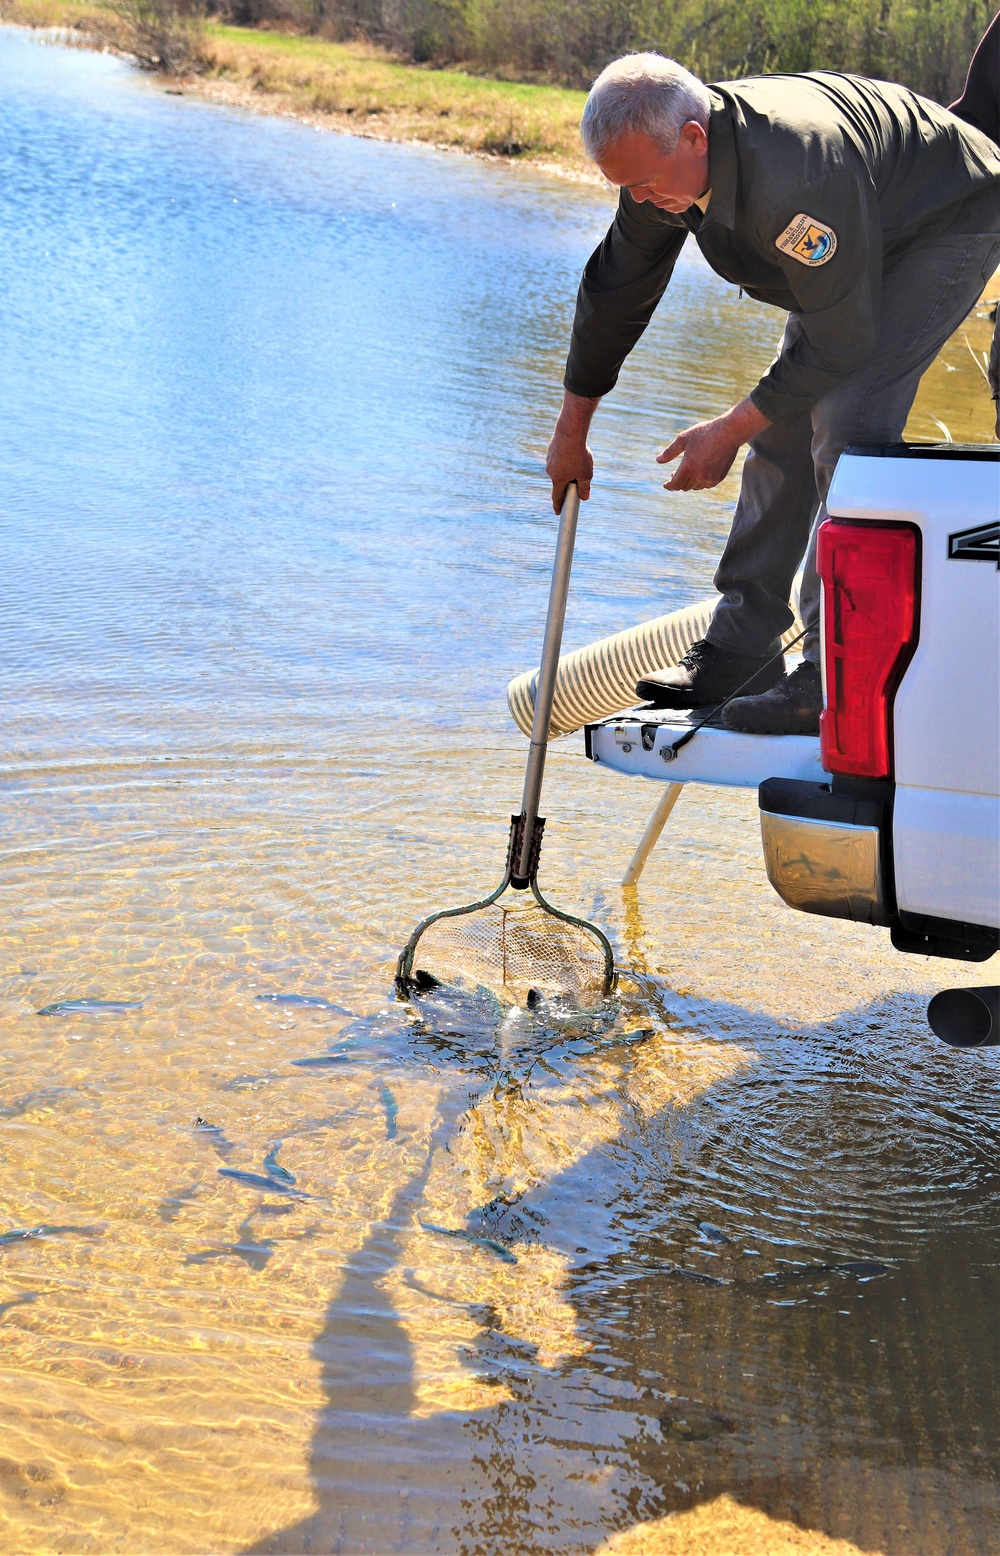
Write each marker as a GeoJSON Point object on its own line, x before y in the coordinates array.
{"type": "Point", "coordinates": [824, 852]}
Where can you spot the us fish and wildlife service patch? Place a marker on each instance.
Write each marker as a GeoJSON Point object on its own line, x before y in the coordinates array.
{"type": "Point", "coordinates": [810, 241]}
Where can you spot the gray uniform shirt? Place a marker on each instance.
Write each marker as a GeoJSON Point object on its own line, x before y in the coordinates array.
{"type": "Point", "coordinates": [818, 182]}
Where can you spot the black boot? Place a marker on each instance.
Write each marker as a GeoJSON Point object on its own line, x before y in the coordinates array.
{"type": "Point", "coordinates": [792, 708]}
{"type": "Point", "coordinates": [706, 675]}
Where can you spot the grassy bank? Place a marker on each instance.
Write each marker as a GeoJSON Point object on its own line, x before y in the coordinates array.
{"type": "Point", "coordinates": [483, 76]}
{"type": "Point", "coordinates": [355, 87]}
{"type": "Point", "coordinates": [358, 88]}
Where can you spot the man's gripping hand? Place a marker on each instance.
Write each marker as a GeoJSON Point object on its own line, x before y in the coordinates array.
{"type": "Point", "coordinates": [568, 457]}
{"type": "Point", "coordinates": [707, 450]}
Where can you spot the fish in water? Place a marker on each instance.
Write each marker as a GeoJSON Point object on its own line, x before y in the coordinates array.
{"type": "Point", "coordinates": [469, 1013]}
{"type": "Point", "coordinates": [694, 1425]}
{"type": "Point", "coordinates": [631, 1039]}
{"type": "Point", "coordinates": [694, 1275]}
{"type": "Point", "coordinates": [30, 1101]}
{"type": "Point", "coordinates": [849, 1269]}
{"type": "Point", "coordinates": [310, 1001]}
{"type": "Point", "coordinates": [321, 1061]}
{"type": "Point", "coordinates": [391, 1107]}
{"type": "Point", "coordinates": [40, 1232]}
{"type": "Point", "coordinates": [253, 1250]}
{"type": "Point", "coordinates": [423, 981]}
{"type": "Point", "coordinates": [257, 1180]}
{"type": "Point", "coordinates": [562, 1012]}
{"type": "Point", "coordinates": [211, 1132]}
{"type": "Point", "coordinates": [171, 1205]}
{"type": "Point", "coordinates": [20, 1301]}
{"type": "Point", "coordinates": [249, 1082]}
{"type": "Point", "coordinates": [253, 1253]}
{"type": "Point", "coordinates": [714, 1234]}
{"type": "Point", "coordinates": [87, 1006]}
{"type": "Point", "coordinates": [470, 1237]}
{"type": "Point", "coordinates": [273, 1167]}
{"type": "Point", "coordinates": [585, 1029]}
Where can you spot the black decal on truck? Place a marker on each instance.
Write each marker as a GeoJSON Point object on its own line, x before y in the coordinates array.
{"type": "Point", "coordinates": [981, 544]}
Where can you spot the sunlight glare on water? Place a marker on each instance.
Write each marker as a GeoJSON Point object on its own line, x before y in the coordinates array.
{"type": "Point", "coordinates": [328, 1272]}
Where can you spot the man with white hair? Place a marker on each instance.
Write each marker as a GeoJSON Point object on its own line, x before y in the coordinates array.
{"type": "Point", "coordinates": [872, 216]}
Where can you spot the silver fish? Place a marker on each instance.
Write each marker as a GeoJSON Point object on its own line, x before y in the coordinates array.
{"type": "Point", "coordinates": [255, 1254]}
{"type": "Point", "coordinates": [44, 1231]}
{"type": "Point", "coordinates": [223, 1146]}
{"type": "Point", "coordinates": [311, 1001]}
{"type": "Point", "coordinates": [849, 1269]}
{"type": "Point", "coordinates": [391, 1107]}
{"type": "Point", "coordinates": [250, 1082]}
{"type": "Point", "coordinates": [694, 1275]}
{"type": "Point", "coordinates": [257, 1180]}
{"type": "Point", "coordinates": [30, 1101]}
{"type": "Point", "coordinates": [470, 1237]}
{"type": "Point", "coordinates": [88, 1006]}
{"type": "Point", "coordinates": [171, 1205]}
{"type": "Point", "coordinates": [273, 1167]}
{"type": "Point", "coordinates": [20, 1301]}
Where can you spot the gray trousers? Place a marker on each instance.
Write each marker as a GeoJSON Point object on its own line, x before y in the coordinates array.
{"type": "Point", "coordinates": [925, 296]}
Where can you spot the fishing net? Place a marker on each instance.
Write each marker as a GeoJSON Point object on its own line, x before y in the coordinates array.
{"type": "Point", "coordinates": [520, 948]}
{"type": "Point", "coordinates": [513, 943]}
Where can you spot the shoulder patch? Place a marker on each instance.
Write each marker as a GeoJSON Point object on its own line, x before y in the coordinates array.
{"type": "Point", "coordinates": [810, 241]}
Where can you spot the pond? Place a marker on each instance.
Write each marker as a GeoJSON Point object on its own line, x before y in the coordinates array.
{"type": "Point", "coordinates": [276, 536]}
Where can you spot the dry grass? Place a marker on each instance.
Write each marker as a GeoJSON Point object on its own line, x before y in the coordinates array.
{"type": "Point", "coordinates": [357, 88]}
{"type": "Point", "coordinates": [90, 21]}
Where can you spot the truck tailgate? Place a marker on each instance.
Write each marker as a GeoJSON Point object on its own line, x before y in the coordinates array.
{"type": "Point", "coordinates": [633, 743]}
{"type": "Point", "coordinates": [946, 711]}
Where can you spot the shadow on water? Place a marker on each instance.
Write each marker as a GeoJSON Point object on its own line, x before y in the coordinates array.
{"type": "Point", "coordinates": [785, 1282]}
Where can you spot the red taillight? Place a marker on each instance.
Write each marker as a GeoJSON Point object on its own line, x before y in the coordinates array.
{"type": "Point", "coordinates": [869, 574]}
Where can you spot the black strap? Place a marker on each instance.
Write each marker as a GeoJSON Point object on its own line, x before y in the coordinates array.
{"type": "Point", "coordinates": [678, 745]}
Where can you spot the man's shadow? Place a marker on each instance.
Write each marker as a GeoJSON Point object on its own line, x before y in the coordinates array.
{"type": "Point", "coordinates": [840, 1377]}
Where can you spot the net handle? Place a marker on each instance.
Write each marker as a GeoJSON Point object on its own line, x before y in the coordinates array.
{"type": "Point", "coordinates": [545, 686]}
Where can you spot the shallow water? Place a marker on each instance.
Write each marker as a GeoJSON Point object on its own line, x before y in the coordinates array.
{"type": "Point", "coordinates": [274, 409]}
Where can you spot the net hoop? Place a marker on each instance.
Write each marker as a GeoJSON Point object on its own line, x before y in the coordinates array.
{"type": "Point", "coordinates": [406, 984]}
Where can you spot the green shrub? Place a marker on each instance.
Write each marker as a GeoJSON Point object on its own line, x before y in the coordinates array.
{"type": "Point", "coordinates": [926, 44]}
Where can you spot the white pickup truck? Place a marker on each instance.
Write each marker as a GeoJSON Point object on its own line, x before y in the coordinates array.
{"type": "Point", "coordinates": [891, 816]}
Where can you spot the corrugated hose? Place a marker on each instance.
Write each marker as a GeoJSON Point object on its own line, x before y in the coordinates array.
{"type": "Point", "coordinates": [597, 681]}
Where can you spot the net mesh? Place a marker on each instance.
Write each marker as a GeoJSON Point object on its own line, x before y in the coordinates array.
{"type": "Point", "coordinates": [512, 946]}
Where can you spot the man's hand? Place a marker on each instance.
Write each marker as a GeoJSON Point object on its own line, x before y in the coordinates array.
{"type": "Point", "coordinates": [708, 449]}
{"type": "Point", "coordinates": [568, 457]}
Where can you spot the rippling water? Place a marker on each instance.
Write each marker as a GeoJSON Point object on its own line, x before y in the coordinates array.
{"type": "Point", "coordinates": [274, 406]}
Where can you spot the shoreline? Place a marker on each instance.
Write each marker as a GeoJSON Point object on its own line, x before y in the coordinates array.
{"type": "Point", "coordinates": [236, 95]}
{"type": "Point", "coordinates": [350, 88]}
{"type": "Point", "coordinates": [374, 98]}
